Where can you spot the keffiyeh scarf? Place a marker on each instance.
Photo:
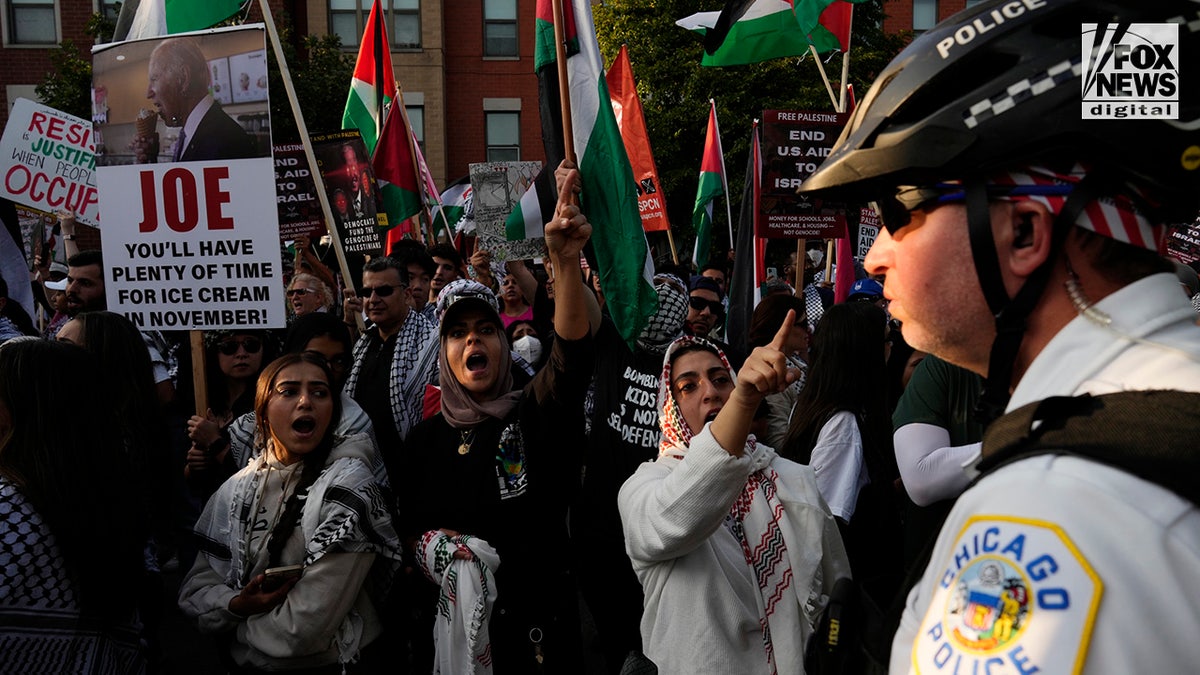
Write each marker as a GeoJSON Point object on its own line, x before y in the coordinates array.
{"type": "Point", "coordinates": [790, 572]}
{"type": "Point", "coordinates": [667, 322]}
{"type": "Point", "coordinates": [345, 511]}
{"type": "Point", "coordinates": [414, 365]}
{"type": "Point", "coordinates": [41, 626]}
{"type": "Point", "coordinates": [466, 596]}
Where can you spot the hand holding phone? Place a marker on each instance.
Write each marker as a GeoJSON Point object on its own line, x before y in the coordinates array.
{"type": "Point", "coordinates": [275, 577]}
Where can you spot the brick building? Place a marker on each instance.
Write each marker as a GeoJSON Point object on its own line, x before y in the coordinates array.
{"type": "Point", "coordinates": [920, 15]}
{"type": "Point", "coordinates": [466, 69]}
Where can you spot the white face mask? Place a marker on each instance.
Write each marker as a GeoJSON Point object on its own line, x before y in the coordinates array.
{"type": "Point", "coordinates": [529, 347]}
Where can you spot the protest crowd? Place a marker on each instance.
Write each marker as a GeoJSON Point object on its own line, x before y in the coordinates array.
{"type": "Point", "coordinates": [971, 453]}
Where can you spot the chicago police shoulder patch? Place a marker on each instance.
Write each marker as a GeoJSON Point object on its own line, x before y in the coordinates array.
{"type": "Point", "coordinates": [1015, 596]}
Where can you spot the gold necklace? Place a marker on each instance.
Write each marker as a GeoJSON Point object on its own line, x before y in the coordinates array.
{"type": "Point", "coordinates": [467, 437]}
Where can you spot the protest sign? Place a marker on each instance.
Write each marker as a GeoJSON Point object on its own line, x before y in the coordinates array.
{"type": "Point", "coordinates": [496, 188]}
{"type": "Point", "coordinates": [48, 161]}
{"type": "Point", "coordinates": [352, 190]}
{"type": "Point", "coordinates": [190, 236]}
{"type": "Point", "coordinates": [795, 142]}
{"type": "Point", "coordinates": [1183, 242]}
{"type": "Point", "coordinates": [296, 194]}
{"type": "Point", "coordinates": [868, 229]}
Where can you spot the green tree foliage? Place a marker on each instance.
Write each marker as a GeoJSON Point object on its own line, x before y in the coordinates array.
{"type": "Point", "coordinates": [321, 73]}
{"type": "Point", "coordinates": [675, 89]}
{"type": "Point", "coordinates": [68, 85]}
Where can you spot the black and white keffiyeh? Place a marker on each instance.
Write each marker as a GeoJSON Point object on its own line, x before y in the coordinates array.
{"type": "Point", "coordinates": [41, 628]}
{"type": "Point", "coordinates": [345, 510]}
{"type": "Point", "coordinates": [414, 365]}
{"type": "Point", "coordinates": [667, 322]}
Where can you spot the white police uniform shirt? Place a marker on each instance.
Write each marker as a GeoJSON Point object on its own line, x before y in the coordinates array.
{"type": "Point", "coordinates": [1063, 565]}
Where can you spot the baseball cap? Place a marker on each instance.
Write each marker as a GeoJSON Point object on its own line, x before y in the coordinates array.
{"type": "Point", "coordinates": [707, 284]}
{"type": "Point", "coordinates": [865, 289]}
{"type": "Point", "coordinates": [463, 294]}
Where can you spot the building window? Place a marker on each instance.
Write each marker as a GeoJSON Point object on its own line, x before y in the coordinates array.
{"type": "Point", "coordinates": [402, 19]}
{"type": "Point", "coordinates": [925, 14]}
{"type": "Point", "coordinates": [31, 22]}
{"type": "Point", "coordinates": [109, 9]}
{"type": "Point", "coordinates": [500, 28]}
{"type": "Point", "coordinates": [416, 119]}
{"type": "Point", "coordinates": [503, 136]}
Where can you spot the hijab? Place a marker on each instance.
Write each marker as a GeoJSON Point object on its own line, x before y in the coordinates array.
{"type": "Point", "coordinates": [676, 435]}
{"type": "Point", "coordinates": [458, 407]}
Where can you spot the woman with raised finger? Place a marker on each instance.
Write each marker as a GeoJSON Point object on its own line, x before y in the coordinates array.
{"type": "Point", "coordinates": [734, 547]}
{"type": "Point", "coordinates": [308, 502]}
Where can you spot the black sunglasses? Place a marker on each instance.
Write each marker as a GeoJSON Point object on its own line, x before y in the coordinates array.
{"type": "Point", "coordinates": [297, 291]}
{"type": "Point", "coordinates": [229, 347]}
{"type": "Point", "coordinates": [713, 306]}
{"type": "Point", "coordinates": [895, 212]}
{"type": "Point", "coordinates": [382, 291]}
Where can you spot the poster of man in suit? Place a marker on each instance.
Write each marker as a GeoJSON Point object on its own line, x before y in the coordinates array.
{"type": "Point", "coordinates": [164, 104]}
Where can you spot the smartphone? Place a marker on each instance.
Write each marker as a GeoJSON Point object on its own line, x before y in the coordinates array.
{"type": "Point", "coordinates": [278, 576]}
{"type": "Point", "coordinates": [772, 273]}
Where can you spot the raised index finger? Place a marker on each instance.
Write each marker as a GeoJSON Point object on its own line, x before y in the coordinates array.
{"type": "Point", "coordinates": [785, 331]}
{"type": "Point", "coordinates": [567, 189]}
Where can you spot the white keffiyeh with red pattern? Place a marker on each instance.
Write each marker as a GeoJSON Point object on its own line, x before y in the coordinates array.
{"type": "Point", "coordinates": [793, 560]}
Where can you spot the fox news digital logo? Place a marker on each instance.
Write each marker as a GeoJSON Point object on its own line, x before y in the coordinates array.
{"type": "Point", "coordinates": [1131, 71]}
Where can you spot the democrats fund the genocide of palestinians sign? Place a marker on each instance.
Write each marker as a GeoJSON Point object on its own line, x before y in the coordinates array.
{"type": "Point", "coordinates": [1131, 71]}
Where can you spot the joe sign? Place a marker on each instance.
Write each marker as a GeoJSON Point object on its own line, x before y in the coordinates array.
{"type": "Point", "coordinates": [191, 232]}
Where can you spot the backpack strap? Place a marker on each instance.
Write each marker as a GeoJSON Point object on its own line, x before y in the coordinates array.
{"type": "Point", "coordinates": [1150, 434]}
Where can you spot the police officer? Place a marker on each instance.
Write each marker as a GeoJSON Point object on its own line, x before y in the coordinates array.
{"type": "Point", "coordinates": [978, 145]}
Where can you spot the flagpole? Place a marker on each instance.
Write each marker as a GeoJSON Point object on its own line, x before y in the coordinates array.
{"type": "Point", "coordinates": [671, 241]}
{"type": "Point", "coordinates": [302, 128]}
{"type": "Point", "coordinates": [821, 67]}
{"type": "Point", "coordinates": [841, 105]}
{"type": "Point", "coordinates": [564, 84]}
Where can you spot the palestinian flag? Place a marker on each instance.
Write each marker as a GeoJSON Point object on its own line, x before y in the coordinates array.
{"type": "Point", "coordinates": [752, 31]}
{"type": "Point", "coordinates": [749, 270]}
{"type": "Point", "coordinates": [374, 83]}
{"type": "Point", "coordinates": [153, 18]}
{"type": "Point", "coordinates": [711, 186]}
{"type": "Point", "coordinates": [396, 170]}
{"type": "Point", "coordinates": [609, 197]}
{"type": "Point", "coordinates": [536, 206]}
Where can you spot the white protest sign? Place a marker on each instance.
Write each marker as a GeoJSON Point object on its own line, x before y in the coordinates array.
{"type": "Point", "coordinates": [48, 161]}
{"type": "Point", "coordinates": [189, 244]}
{"type": "Point", "coordinates": [868, 229]}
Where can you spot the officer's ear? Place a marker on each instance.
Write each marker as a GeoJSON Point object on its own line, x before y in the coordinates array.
{"type": "Point", "coordinates": [1023, 239]}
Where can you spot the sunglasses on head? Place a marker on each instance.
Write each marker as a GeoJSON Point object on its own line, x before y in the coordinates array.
{"type": "Point", "coordinates": [229, 347]}
{"type": "Point", "coordinates": [297, 291]}
{"type": "Point", "coordinates": [895, 212]}
{"type": "Point", "coordinates": [382, 291]}
{"type": "Point", "coordinates": [713, 306]}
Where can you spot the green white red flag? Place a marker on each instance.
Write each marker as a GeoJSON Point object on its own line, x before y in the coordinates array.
{"type": "Point", "coordinates": [395, 169]}
{"type": "Point", "coordinates": [167, 17]}
{"type": "Point", "coordinates": [711, 186]}
{"type": "Point", "coordinates": [373, 84]}
{"type": "Point", "coordinates": [751, 31]}
{"type": "Point", "coordinates": [609, 197]}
